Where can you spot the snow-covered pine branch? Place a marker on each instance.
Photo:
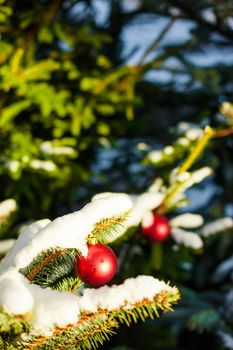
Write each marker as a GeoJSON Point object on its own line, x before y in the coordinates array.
{"type": "Point", "coordinates": [72, 230]}
{"type": "Point", "coordinates": [45, 252]}
{"type": "Point", "coordinates": [141, 212]}
{"type": "Point", "coordinates": [53, 313]}
{"type": "Point", "coordinates": [217, 226]}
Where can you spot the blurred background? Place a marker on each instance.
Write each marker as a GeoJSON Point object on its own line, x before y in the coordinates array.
{"type": "Point", "coordinates": [87, 90]}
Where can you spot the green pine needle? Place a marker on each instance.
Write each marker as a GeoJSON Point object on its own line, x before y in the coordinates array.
{"type": "Point", "coordinates": [10, 328]}
{"type": "Point", "coordinates": [93, 329]}
{"type": "Point", "coordinates": [68, 284]}
{"type": "Point", "coordinates": [53, 268]}
{"type": "Point", "coordinates": [204, 320]}
{"type": "Point", "coordinates": [106, 229]}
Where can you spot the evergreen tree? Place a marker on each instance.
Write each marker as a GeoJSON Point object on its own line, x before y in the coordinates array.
{"type": "Point", "coordinates": [81, 115]}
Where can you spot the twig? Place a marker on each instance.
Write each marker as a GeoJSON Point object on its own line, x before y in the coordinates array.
{"type": "Point", "coordinates": [202, 142]}
{"type": "Point", "coordinates": [200, 146]}
{"type": "Point", "coordinates": [155, 43]}
{"type": "Point", "coordinates": [43, 263]}
{"type": "Point", "coordinates": [161, 304]}
{"type": "Point", "coordinates": [223, 133]}
{"type": "Point", "coordinates": [191, 13]}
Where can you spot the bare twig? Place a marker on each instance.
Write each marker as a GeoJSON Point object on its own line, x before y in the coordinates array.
{"type": "Point", "coordinates": [224, 132]}
{"type": "Point", "coordinates": [157, 40]}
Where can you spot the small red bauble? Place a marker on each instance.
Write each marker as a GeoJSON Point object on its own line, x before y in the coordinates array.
{"type": "Point", "coordinates": [98, 267]}
{"type": "Point", "coordinates": [157, 230]}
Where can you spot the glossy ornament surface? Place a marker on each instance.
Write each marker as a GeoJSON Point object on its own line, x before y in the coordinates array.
{"type": "Point", "coordinates": [157, 229]}
{"type": "Point", "coordinates": [98, 267]}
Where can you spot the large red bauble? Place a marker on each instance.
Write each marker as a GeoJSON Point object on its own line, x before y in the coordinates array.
{"type": "Point", "coordinates": [98, 267]}
{"type": "Point", "coordinates": [158, 230]}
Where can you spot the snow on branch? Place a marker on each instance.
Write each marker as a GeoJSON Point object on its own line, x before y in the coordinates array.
{"type": "Point", "coordinates": [217, 226]}
{"type": "Point", "coordinates": [72, 230]}
{"type": "Point", "coordinates": [7, 207]}
{"type": "Point", "coordinates": [187, 220]}
{"type": "Point", "coordinates": [141, 205]}
{"type": "Point", "coordinates": [23, 240]}
{"type": "Point", "coordinates": [50, 309]}
{"type": "Point", "coordinates": [60, 317]}
{"type": "Point", "coordinates": [186, 238]}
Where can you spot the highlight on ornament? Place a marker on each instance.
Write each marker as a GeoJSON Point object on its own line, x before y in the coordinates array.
{"type": "Point", "coordinates": [156, 228]}
{"type": "Point", "coordinates": [98, 267]}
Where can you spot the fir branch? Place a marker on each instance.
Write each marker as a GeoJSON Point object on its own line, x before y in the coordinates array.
{"type": "Point", "coordinates": [83, 336]}
{"type": "Point", "coordinates": [52, 268]}
{"type": "Point", "coordinates": [201, 144]}
{"type": "Point", "coordinates": [199, 148]}
{"type": "Point", "coordinates": [68, 284]}
{"type": "Point", "coordinates": [224, 132]}
{"type": "Point", "coordinates": [93, 328]}
{"type": "Point", "coordinates": [10, 328]}
{"type": "Point", "coordinates": [39, 267]}
{"type": "Point", "coordinates": [192, 157]}
{"type": "Point", "coordinates": [106, 229]}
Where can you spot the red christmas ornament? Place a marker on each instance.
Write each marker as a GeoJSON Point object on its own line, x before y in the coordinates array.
{"type": "Point", "coordinates": [158, 230]}
{"type": "Point", "coordinates": [98, 267]}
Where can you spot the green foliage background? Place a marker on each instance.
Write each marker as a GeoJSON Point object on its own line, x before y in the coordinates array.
{"type": "Point", "coordinates": [64, 84]}
{"type": "Point", "coordinates": [58, 89]}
